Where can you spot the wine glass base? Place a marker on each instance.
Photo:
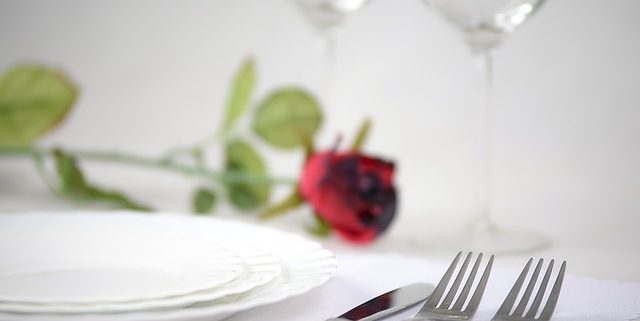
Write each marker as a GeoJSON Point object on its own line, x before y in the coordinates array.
{"type": "Point", "coordinates": [492, 239]}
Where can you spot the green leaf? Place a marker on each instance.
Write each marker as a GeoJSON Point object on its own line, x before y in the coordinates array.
{"type": "Point", "coordinates": [243, 159]}
{"type": "Point", "coordinates": [292, 201]}
{"type": "Point", "coordinates": [361, 136]}
{"type": "Point", "coordinates": [287, 117]}
{"type": "Point", "coordinates": [321, 227]}
{"type": "Point", "coordinates": [72, 181]}
{"type": "Point", "coordinates": [74, 185]}
{"type": "Point", "coordinates": [204, 200]}
{"type": "Point", "coordinates": [33, 100]}
{"type": "Point", "coordinates": [240, 95]}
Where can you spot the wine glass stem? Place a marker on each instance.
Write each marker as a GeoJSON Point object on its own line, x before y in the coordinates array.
{"type": "Point", "coordinates": [484, 218]}
{"type": "Point", "coordinates": [330, 39]}
{"type": "Point", "coordinates": [329, 48]}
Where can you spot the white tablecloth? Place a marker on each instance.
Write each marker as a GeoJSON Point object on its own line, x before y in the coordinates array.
{"type": "Point", "coordinates": [362, 276]}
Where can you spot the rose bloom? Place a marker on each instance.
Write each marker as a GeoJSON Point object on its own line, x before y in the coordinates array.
{"type": "Point", "coordinates": [353, 192]}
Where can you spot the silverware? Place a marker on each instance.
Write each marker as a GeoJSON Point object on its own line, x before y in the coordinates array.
{"type": "Point", "coordinates": [504, 314]}
{"type": "Point", "coordinates": [388, 303]}
{"type": "Point", "coordinates": [445, 311]}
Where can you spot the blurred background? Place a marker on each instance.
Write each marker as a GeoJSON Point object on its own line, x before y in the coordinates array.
{"type": "Point", "coordinates": [155, 73]}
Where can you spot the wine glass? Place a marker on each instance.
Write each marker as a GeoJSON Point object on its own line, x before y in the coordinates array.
{"type": "Point", "coordinates": [484, 25]}
{"type": "Point", "coordinates": [327, 16]}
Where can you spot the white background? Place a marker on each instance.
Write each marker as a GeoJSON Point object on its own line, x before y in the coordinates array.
{"type": "Point", "coordinates": [155, 73]}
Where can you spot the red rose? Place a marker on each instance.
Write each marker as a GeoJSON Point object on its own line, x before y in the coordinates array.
{"type": "Point", "coordinates": [354, 193]}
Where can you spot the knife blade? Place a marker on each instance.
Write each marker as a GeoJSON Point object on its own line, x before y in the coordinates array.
{"type": "Point", "coordinates": [388, 303]}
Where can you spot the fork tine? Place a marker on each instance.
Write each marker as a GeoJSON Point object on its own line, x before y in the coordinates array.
{"type": "Point", "coordinates": [555, 294]}
{"type": "Point", "coordinates": [506, 306]}
{"type": "Point", "coordinates": [543, 287]}
{"type": "Point", "coordinates": [456, 283]}
{"type": "Point", "coordinates": [467, 286]}
{"type": "Point", "coordinates": [519, 311]}
{"type": "Point", "coordinates": [442, 285]}
{"type": "Point", "coordinates": [477, 294]}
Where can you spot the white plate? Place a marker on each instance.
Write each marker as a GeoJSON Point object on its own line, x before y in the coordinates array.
{"type": "Point", "coordinates": [305, 265]}
{"type": "Point", "coordinates": [261, 267]}
{"type": "Point", "coordinates": [49, 259]}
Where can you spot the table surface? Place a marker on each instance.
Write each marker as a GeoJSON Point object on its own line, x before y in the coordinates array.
{"type": "Point", "coordinates": [363, 276]}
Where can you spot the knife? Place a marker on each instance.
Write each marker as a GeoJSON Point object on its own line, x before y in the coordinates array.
{"type": "Point", "coordinates": [388, 303]}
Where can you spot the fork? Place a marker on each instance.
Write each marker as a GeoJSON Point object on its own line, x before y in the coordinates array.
{"type": "Point", "coordinates": [431, 310]}
{"type": "Point", "coordinates": [504, 313]}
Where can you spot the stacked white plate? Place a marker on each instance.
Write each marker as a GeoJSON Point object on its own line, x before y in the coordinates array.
{"type": "Point", "coordinates": [121, 266]}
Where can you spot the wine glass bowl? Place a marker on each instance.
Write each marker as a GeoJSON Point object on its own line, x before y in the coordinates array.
{"type": "Point", "coordinates": [485, 22]}
{"type": "Point", "coordinates": [328, 14]}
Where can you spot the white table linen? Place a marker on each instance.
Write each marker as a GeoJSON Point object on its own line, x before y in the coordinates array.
{"type": "Point", "coordinates": [362, 276]}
